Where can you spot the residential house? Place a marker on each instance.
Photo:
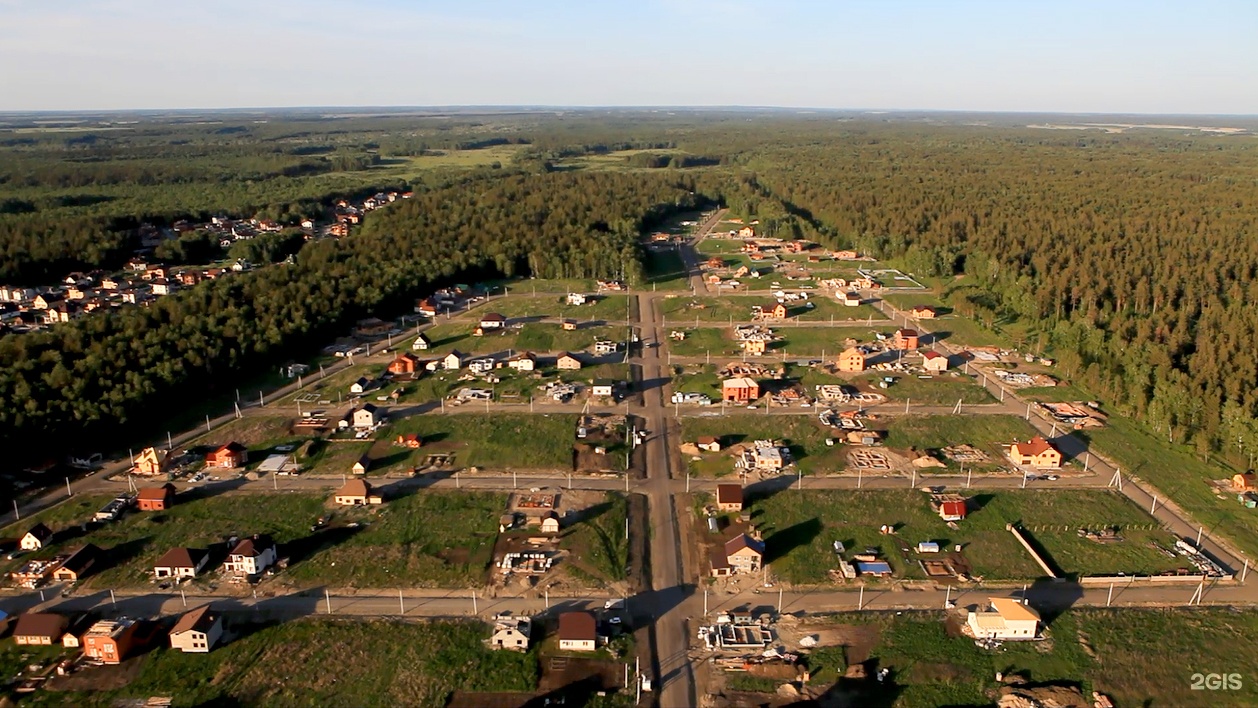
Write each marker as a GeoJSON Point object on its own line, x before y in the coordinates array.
{"type": "Point", "coordinates": [923, 312]}
{"type": "Point", "coordinates": [850, 299]}
{"type": "Point", "coordinates": [39, 628]}
{"type": "Point", "coordinates": [511, 633]}
{"type": "Point", "coordinates": [740, 390]}
{"type": "Point", "coordinates": [366, 417]}
{"type": "Point", "coordinates": [362, 385]}
{"type": "Point", "coordinates": [567, 362]}
{"type": "Point", "coordinates": [906, 339]}
{"type": "Point", "coordinates": [577, 631]}
{"type": "Point", "coordinates": [935, 362]}
{"type": "Point", "coordinates": [524, 361]}
{"type": "Point", "coordinates": [229, 456]}
{"type": "Point", "coordinates": [454, 360]}
{"type": "Point", "coordinates": [746, 232]}
{"type": "Point", "coordinates": [163, 286]}
{"type": "Point", "coordinates": [741, 555]}
{"type": "Point", "coordinates": [709, 443]}
{"type": "Point", "coordinates": [729, 497]}
{"type": "Point", "coordinates": [1245, 482]}
{"type": "Point", "coordinates": [197, 631]}
{"type": "Point", "coordinates": [606, 346]}
{"type": "Point", "coordinates": [603, 387]}
{"type": "Point", "coordinates": [252, 555]}
{"type": "Point", "coordinates": [481, 366]}
{"type": "Point", "coordinates": [568, 325]}
{"type": "Point", "coordinates": [755, 347]}
{"type": "Point", "coordinates": [405, 363]}
{"type": "Point", "coordinates": [151, 461]}
{"type": "Point", "coordinates": [1037, 452]}
{"type": "Point", "coordinates": [78, 565]}
{"type": "Point", "coordinates": [550, 523]}
{"type": "Point", "coordinates": [181, 563]}
{"type": "Point", "coordinates": [426, 307]}
{"type": "Point", "coordinates": [774, 311]}
{"type": "Point", "coordinates": [111, 641]}
{"type": "Point", "coordinates": [576, 299]}
{"type": "Point", "coordinates": [410, 440]}
{"type": "Point", "coordinates": [951, 508]}
{"type": "Point", "coordinates": [46, 301]}
{"type": "Point", "coordinates": [156, 498]}
{"type": "Point", "coordinates": [362, 465]}
{"type": "Point", "coordinates": [421, 343]}
{"type": "Point", "coordinates": [356, 492]}
{"type": "Point", "coordinates": [36, 538]}
{"type": "Point", "coordinates": [1007, 619]}
{"type": "Point", "coordinates": [852, 360]}
{"type": "Point", "coordinates": [492, 320]}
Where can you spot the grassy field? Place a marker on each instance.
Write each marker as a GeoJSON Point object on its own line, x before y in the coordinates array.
{"type": "Point", "coordinates": [335, 388]}
{"type": "Point", "coordinates": [800, 527]}
{"type": "Point", "coordinates": [534, 336]}
{"type": "Point", "coordinates": [609, 308]}
{"type": "Point", "coordinates": [930, 432]}
{"type": "Point", "coordinates": [422, 540]}
{"type": "Point", "coordinates": [938, 390]}
{"type": "Point", "coordinates": [665, 271]}
{"type": "Point", "coordinates": [597, 542]}
{"type": "Point", "coordinates": [697, 378]}
{"type": "Point", "coordinates": [495, 441]}
{"type": "Point", "coordinates": [325, 662]}
{"type": "Point", "coordinates": [1136, 656]}
{"type": "Point", "coordinates": [704, 340]}
{"type": "Point", "coordinates": [965, 332]}
{"type": "Point", "coordinates": [802, 434]}
{"type": "Point", "coordinates": [737, 308]}
{"type": "Point", "coordinates": [907, 301]}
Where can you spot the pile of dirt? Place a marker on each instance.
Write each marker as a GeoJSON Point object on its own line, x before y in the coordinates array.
{"type": "Point", "coordinates": [1045, 696]}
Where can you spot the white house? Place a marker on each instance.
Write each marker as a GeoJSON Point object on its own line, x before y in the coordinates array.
{"type": "Point", "coordinates": [252, 555]}
{"type": "Point", "coordinates": [480, 366]}
{"type": "Point", "coordinates": [366, 417]}
{"type": "Point", "coordinates": [934, 361]}
{"type": "Point", "coordinates": [36, 538]}
{"type": "Point", "coordinates": [524, 361]}
{"type": "Point", "coordinates": [181, 563]}
{"type": "Point", "coordinates": [606, 346]}
{"type": "Point", "coordinates": [576, 299]}
{"type": "Point", "coordinates": [453, 360]}
{"type": "Point", "coordinates": [421, 342]}
{"type": "Point", "coordinates": [512, 633]}
{"type": "Point", "coordinates": [197, 631]}
{"type": "Point", "coordinates": [850, 299]}
{"type": "Point", "coordinates": [603, 387]}
{"type": "Point", "coordinates": [492, 320]}
{"type": "Point", "coordinates": [550, 523]}
{"type": "Point", "coordinates": [1007, 619]}
{"type": "Point", "coordinates": [360, 386]}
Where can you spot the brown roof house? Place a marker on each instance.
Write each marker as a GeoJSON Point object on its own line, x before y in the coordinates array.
{"type": "Point", "coordinates": [729, 497]}
{"type": "Point", "coordinates": [40, 628]}
{"type": "Point", "coordinates": [36, 538]}
{"type": "Point", "coordinates": [709, 443]}
{"type": "Point", "coordinates": [78, 565]}
{"type": "Point", "coordinates": [405, 364]}
{"type": "Point", "coordinates": [1037, 452]}
{"type": "Point", "coordinates": [742, 555]}
{"type": "Point", "coordinates": [906, 339]}
{"type": "Point", "coordinates": [356, 492]}
{"type": "Point", "coordinates": [934, 361]}
{"type": "Point", "coordinates": [577, 632]}
{"type": "Point", "coordinates": [567, 362]}
{"type": "Point", "coordinates": [181, 563]}
{"type": "Point", "coordinates": [233, 454]}
{"type": "Point", "coordinates": [197, 631]}
{"type": "Point", "coordinates": [156, 498]}
{"type": "Point", "coordinates": [252, 555]}
{"type": "Point", "coordinates": [852, 360]}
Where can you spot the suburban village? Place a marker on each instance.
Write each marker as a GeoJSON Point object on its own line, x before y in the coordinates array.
{"type": "Point", "coordinates": [790, 431]}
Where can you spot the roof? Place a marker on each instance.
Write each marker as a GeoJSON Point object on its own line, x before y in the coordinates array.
{"type": "Point", "coordinates": [719, 560]}
{"type": "Point", "coordinates": [708, 440]}
{"type": "Point", "coordinates": [180, 558]}
{"type": "Point", "coordinates": [577, 626]}
{"type": "Point", "coordinates": [1035, 446]}
{"type": "Point", "coordinates": [232, 446]}
{"type": "Point", "coordinates": [367, 408]}
{"type": "Point", "coordinates": [1012, 609]}
{"type": "Point", "coordinates": [40, 624]}
{"type": "Point", "coordinates": [198, 620]}
{"type": "Point", "coordinates": [739, 382]}
{"type": "Point", "coordinates": [852, 350]}
{"type": "Point", "coordinates": [253, 546]}
{"type": "Point", "coordinates": [492, 317]}
{"type": "Point", "coordinates": [928, 355]}
{"type": "Point", "coordinates": [604, 382]}
{"type": "Point", "coordinates": [40, 531]}
{"type": "Point", "coordinates": [354, 488]}
{"type": "Point", "coordinates": [729, 494]}
{"type": "Point", "coordinates": [742, 541]}
{"type": "Point", "coordinates": [81, 559]}
{"type": "Point", "coordinates": [568, 355]}
{"type": "Point", "coordinates": [907, 332]}
{"type": "Point", "coordinates": [156, 493]}
{"type": "Point", "coordinates": [455, 353]}
{"type": "Point", "coordinates": [873, 567]}
{"type": "Point", "coordinates": [923, 308]}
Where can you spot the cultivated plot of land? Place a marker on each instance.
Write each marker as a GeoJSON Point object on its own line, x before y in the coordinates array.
{"type": "Point", "coordinates": [325, 662]}
{"type": "Point", "coordinates": [800, 528]}
{"type": "Point", "coordinates": [1136, 656]}
{"type": "Point", "coordinates": [520, 441]}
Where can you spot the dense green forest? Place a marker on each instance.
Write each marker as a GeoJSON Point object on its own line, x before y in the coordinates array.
{"type": "Point", "coordinates": [1129, 257]}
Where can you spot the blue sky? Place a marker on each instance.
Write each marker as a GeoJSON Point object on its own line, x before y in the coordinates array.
{"type": "Point", "coordinates": [1016, 55]}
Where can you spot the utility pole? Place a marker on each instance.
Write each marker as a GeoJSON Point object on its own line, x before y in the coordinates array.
{"type": "Point", "coordinates": [1110, 598]}
{"type": "Point", "coordinates": [401, 606]}
{"type": "Point", "coordinates": [328, 599]}
{"type": "Point", "coordinates": [17, 515]}
{"type": "Point", "coordinates": [475, 609]}
{"type": "Point", "coordinates": [68, 492]}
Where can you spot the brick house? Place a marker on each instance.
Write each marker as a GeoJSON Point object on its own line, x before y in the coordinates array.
{"type": "Point", "coordinates": [852, 360]}
{"type": "Point", "coordinates": [740, 390]}
{"type": "Point", "coordinates": [1037, 452]}
{"type": "Point", "coordinates": [906, 339]}
{"type": "Point", "coordinates": [156, 498]}
{"type": "Point", "coordinates": [405, 364]}
{"type": "Point", "coordinates": [923, 312]}
{"type": "Point", "coordinates": [229, 456]}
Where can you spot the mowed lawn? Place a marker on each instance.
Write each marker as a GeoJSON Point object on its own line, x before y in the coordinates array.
{"type": "Point", "coordinates": [432, 539]}
{"type": "Point", "coordinates": [932, 432]}
{"type": "Point", "coordinates": [319, 662]}
{"type": "Point", "coordinates": [805, 437]}
{"type": "Point", "coordinates": [938, 390]}
{"type": "Point", "coordinates": [800, 528]}
{"type": "Point", "coordinates": [1139, 657]}
{"type": "Point", "coordinates": [496, 441]}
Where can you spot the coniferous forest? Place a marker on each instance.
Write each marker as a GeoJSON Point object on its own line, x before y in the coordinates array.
{"type": "Point", "coordinates": [1131, 258]}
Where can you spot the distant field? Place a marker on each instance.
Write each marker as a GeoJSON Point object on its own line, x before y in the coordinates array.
{"type": "Point", "coordinates": [1139, 657]}
{"type": "Point", "coordinates": [325, 662]}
